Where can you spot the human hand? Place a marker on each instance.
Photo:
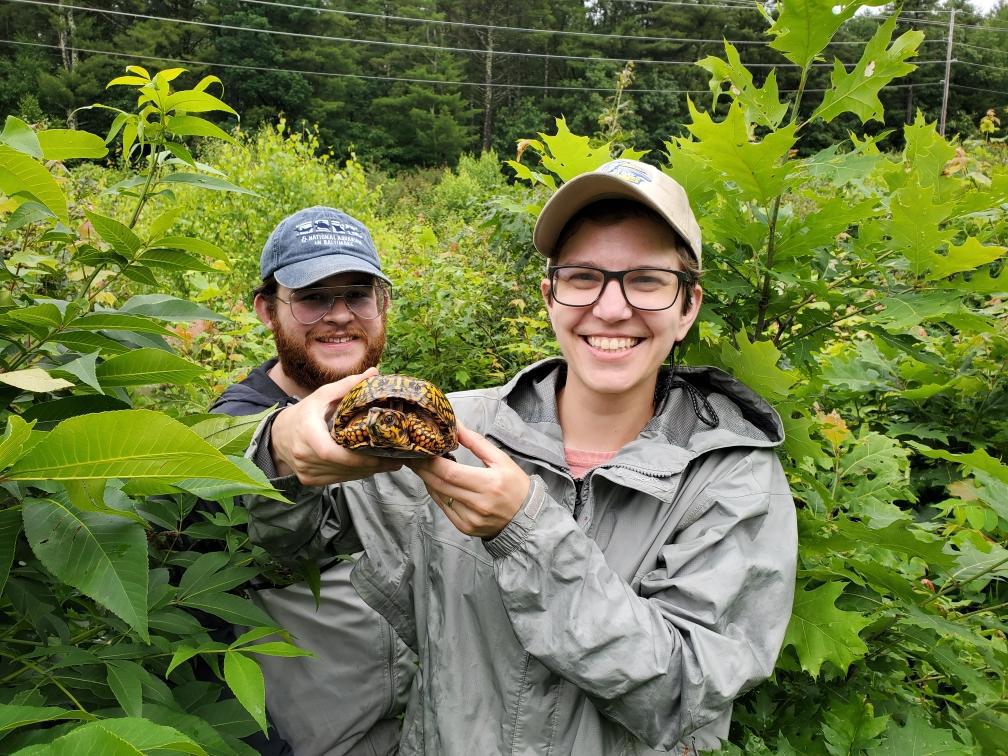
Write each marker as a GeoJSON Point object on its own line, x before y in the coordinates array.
{"type": "Point", "coordinates": [300, 442]}
{"type": "Point", "coordinates": [479, 501]}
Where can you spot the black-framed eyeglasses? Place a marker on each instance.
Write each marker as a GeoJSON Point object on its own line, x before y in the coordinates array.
{"type": "Point", "coordinates": [643, 288]}
{"type": "Point", "coordinates": [309, 306]}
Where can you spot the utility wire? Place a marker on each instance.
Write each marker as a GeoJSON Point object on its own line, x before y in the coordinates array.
{"type": "Point", "coordinates": [493, 27]}
{"type": "Point", "coordinates": [333, 74]}
{"type": "Point", "coordinates": [528, 30]}
{"type": "Point", "coordinates": [351, 40]}
{"type": "Point", "coordinates": [411, 45]}
{"type": "Point", "coordinates": [211, 64]}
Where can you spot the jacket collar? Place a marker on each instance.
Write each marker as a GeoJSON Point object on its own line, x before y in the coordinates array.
{"type": "Point", "coordinates": [527, 420]}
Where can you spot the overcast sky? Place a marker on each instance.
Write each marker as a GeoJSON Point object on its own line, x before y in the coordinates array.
{"type": "Point", "coordinates": [984, 4]}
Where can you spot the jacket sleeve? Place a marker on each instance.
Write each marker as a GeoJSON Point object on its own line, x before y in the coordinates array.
{"type": "Point", "coordinates": [706, 622]}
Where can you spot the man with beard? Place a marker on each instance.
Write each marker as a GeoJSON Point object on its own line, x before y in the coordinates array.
{"type": "Point", "coordinates": [324, 298]}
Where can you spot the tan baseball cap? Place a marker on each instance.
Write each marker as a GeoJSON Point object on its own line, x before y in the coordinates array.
{"type": "Point", "coordinates": [618, 179]}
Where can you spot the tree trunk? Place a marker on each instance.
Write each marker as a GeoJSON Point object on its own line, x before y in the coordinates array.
{"type": "Point", "coordinates": [67, 31]}
{"type": "Point", "coordinates": [488, 92]}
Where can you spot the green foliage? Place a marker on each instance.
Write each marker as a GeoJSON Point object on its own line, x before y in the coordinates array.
{"type": "Point", "coordinates": [859, 286]}
{"type": "Point", "coordinates": [106, 565]}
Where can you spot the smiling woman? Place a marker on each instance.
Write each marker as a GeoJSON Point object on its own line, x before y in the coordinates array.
{"type": "Point", "coordinates": [619, 538]}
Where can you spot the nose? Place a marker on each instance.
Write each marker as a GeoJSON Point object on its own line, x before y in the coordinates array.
{"type": "Point", "coordinates": [611, 304]}
{"type": "Point", "coordinates": [339, 312]}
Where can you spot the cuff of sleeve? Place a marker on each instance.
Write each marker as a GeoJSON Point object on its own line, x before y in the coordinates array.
{"type": "Point", "coordinates": [259, 449]}
{"type": "Point", "coordinates": [516, 532]}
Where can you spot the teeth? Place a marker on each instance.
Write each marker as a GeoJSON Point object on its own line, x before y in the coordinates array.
{"type": "Point", "coordinates": [335, 339]}
{"type": "Point", "coordinates": [608, 344]}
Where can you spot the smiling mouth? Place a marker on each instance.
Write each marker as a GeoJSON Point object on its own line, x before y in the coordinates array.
{"type": "Point", "coordinates": [335, 339]}
{"type": "Point", "coordinates": [612, 344]}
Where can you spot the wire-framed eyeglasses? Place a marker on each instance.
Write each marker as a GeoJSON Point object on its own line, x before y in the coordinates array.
{"type": "Point", "coordinates": [643, 288]}
{"type": "Point", "coordinates": [309, 306]}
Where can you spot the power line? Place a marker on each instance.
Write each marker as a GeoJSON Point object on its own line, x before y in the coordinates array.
{"type": "Point", "coordinates": [529, 30]}
{"type": "Point", "coordinates": [493, 27]}
{"type": "Point", "coordinates": [384, 43]}
{"type": "Point", "coordinates": [240, 66]}
{"type": "Point", "coordinates": [978, 89]}
{"type": "Point", "coordinates": [352, 40]}
{"type": "Point", "coordinates": [333, 74]}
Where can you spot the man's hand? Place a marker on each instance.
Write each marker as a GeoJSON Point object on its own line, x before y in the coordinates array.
{"type": "Point", "coordinates": [300, 442]}
{"type": "Point", "coordinates": [480, 501]}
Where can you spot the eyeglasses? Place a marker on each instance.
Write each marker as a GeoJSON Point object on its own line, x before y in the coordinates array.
{"type": "Point", "coordinates": [643, 288]}
{"type": "Point", "coordinates": [309, 306]}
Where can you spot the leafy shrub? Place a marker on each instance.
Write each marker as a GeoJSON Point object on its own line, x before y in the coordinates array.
{"type": "Point", "coordinates": [111, 580]}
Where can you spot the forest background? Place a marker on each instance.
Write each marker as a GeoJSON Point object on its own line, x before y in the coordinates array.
{"type": "Point", "coordinates": [420, 84]}
{"type": "Point", "coordinates": [854, 277]}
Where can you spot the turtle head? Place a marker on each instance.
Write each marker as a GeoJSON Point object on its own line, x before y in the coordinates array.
{"type": "Point", "coordinates": [388, 428]}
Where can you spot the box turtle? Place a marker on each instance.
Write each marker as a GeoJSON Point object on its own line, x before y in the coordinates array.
{"type": "Point", "coordinates": [395, 416]}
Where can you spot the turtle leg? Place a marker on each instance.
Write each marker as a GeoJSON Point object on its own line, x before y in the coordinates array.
{"type": "Point", "coordinates": [353, 434]}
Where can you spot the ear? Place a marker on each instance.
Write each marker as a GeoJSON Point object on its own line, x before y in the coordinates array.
{"type": "Point", "coordinates": [262, 311]}
{"type": "Point", "coordinates": [689, 317]}
{"type": "Point", "coordinates": [547, 295]}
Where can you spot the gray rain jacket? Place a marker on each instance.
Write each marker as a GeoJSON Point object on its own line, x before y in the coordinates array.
{"type": "Point", "coordinates": [617, 615]}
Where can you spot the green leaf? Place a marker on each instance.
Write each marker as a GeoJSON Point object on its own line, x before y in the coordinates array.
{"type": "Point", "coordinates": [190, 244]}
{"type": "Point", "coordinates": [144, 367]}
{"type": "Point", "coordinates": [193, 101]}
{"type": "Point", "coordinates": [819, 632]}
{"type": "Point", "coordinates": [909, 543]}
{"type": "Point", "coordinates": [762, 104]}
{"type": "Point", "coordinates": [231, 608]}
{"type": "Point", "coordinates": [127, 736]}
{"type": "Point", "coordinates": [20, 175]}
{"type": "Point", "coordinates": [12, 716]}
{"type": "Point", "coordinates": [205, 182]}
{"type": "Point", "coordinates": [803, 28]}
{"type": "Point", "coordinates": [186, 125]}
{"type": "Point", "coordinates": [276, 648]}
{"type": "Point", "coordinates": [56, 410]}
{"type": "Point", "coordinates": [36, 380]}
{"type": "Point", "coordinates": [127, 444]}
{"type": "Point", "coordinates": [843, 168]}
{"type": "Point", "coordinates": [570, 155]}
{"type": "Point", "coordinates": [978, 459]}
{"type": "Point", "coordinates": [83, 369]}
{"type": "Point", "coordinates": [245, 679]}
{"type": "Point", "coordinates": [21, 137]}
{"type": "Point", "coordinates": [125, 679]}
{"type": "Point", "coordinates": [969, 255]}
{"type": "Point", "coordinates": [173, 259]}
{"type": "Point", "coordinates": [67, 144]}
{"type": "Point", "coordinates": [857, 92]}
{"type": "Point", "coordinates": [10, 529]}
{"type": "Point", "coordinates": [230, 435]}
{"type": "Point", "coordinates": [103, 556]}
{"type": "Point", "coordinates": [903, 311]}
{"type": "Point", "coordinates": [209, 574]}
{"type": "Point", "coordinates": [120, 236]}
{"type": "Point", "coordinates": [14, 438]}
{"type": "Point", "coordinates": [760, 169]}
{"type": "Point", "coordinates": [25, 214]}
{"type": "Point", "coordinates": [181, 656]}
{"type": "Point", "coordinates": [755, 364]}
{"type": "Point", "coordinates": [918, 738]}
{"type": "Point", "coordinates": [851, 726]}
{"type": "Point", "coordinates": [115, 321]}
{"type": "Point", "coordinates": [165, 307]}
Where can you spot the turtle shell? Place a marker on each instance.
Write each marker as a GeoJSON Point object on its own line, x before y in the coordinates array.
{"type": "Point", "coordinates": [395, 416]}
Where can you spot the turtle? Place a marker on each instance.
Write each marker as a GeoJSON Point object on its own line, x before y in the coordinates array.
{"type": "Point", "coordinates": [396, 416]}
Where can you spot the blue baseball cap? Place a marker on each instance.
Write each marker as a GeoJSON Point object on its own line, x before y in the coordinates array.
{"type": "Point", "coordinates": [315, 243]}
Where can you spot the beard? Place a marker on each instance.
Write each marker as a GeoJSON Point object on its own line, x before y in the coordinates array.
{"type": "Point", "coordinates": [305, 370]}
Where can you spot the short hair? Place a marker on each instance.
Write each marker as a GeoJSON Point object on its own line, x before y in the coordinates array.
{"type": "Point", "coordinates": [609, 212]}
